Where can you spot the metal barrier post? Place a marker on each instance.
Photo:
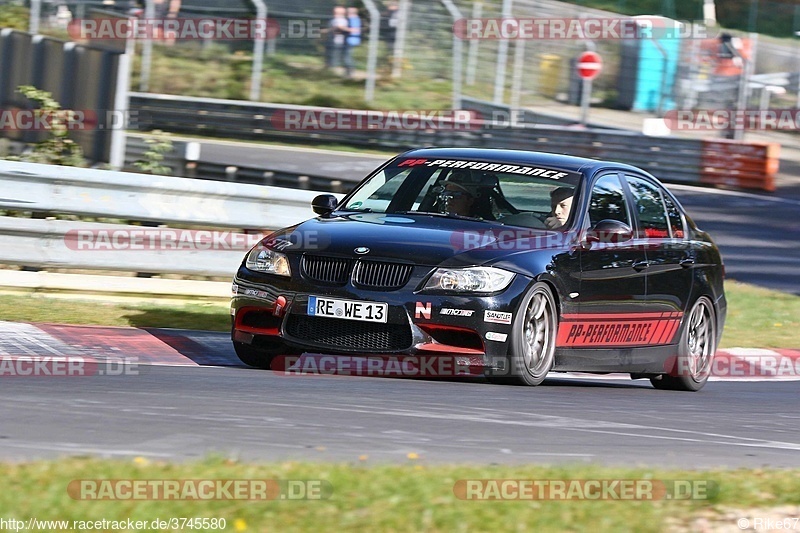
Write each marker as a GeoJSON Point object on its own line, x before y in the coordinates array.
{"type": "Point", "coordinates": [472, 54]}
{"type": "Point", "coordinates": [372, 57]}
{"type": "Point", "coordinates": [122, 102]}
{"type": "Point", "coordinates": [147, 47]}
{"type": "Point", "coordinates": [258, 52]}
{"type": "Point", "coordinates": [457, 54]}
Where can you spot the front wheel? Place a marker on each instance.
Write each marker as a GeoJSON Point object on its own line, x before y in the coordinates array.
{"type": "Point", "coordinates": [698, 344]}
{"type": "Point", "coordinates": [533, 337]}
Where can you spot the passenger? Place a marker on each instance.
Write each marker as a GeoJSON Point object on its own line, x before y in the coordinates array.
{"type": "Point", "coordinates": [561, 205]}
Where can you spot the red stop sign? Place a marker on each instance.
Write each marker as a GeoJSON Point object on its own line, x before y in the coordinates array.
{"type": "Point", "coordinates": [589, 65]}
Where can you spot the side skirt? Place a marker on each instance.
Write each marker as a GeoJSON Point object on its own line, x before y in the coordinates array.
{"type": "Point", "coordinates": [643, 360]}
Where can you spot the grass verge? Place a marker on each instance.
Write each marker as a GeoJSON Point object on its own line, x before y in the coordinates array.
{"type": "Point", "coordinates": [757, 318]}
{"type": "Point", "coordinates": [211, 315]}
{"type": "Point", "coordinates": [761, 318]}
{"type": "Point", "coordinates": [408, 497]}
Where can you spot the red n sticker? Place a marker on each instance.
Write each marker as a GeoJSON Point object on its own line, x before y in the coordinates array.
{"type": "Point", "coordinates": [423, 310]}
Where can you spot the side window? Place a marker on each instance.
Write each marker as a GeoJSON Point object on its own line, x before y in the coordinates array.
{"type": "Point", "coordinates": [675, 219]}
{"type": "Point", "coordinates": [650, 209]}
{"type": "Point", "coordinates": [608, 201]}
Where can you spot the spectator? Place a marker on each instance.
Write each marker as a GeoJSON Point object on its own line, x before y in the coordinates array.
{"type": "Point", "coordinates": [337, 37]}
{"type": "Point", "coordinates": [63, 16]}
{"type": "Point", "coordinates": [353, 38]}
{"type": "Point", "coordinates": [389, 22]}
{"type": "Point", "coordinates": [167, 9]}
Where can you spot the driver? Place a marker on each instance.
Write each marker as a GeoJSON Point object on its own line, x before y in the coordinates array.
{"type": "Point", "coordinates": [561, 205]}
{"type": "Point", "coordinates": [458, 194]}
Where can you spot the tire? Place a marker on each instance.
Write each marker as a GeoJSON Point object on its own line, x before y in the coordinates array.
{"type": "Point", "coordinates": [533, 338]}
{"type": "Point", "coordinates": [696, 350]}
{"type": "Point", "coordinates": [253, 356]}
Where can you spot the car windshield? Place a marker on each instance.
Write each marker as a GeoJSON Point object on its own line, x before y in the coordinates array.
{"type": "Point", "coordinates": [527, 196]}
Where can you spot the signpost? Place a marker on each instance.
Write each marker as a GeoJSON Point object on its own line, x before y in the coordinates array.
{"type": "Point", "coordinates": [589, 66]}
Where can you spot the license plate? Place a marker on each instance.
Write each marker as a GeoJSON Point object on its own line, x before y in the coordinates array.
{"type": "Point", "coordinates": [347, 309]}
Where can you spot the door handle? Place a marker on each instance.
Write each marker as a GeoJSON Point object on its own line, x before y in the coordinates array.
{"type": "Point", "coordinates": [686, 262]}
{"type": "Point", "coordinates": [638, 266]}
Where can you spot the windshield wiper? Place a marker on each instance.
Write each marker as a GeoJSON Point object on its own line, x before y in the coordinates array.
{"type": "Point", "coordinates": [437, 214]}
{"type": "Point", "coordinates": [357, 209]}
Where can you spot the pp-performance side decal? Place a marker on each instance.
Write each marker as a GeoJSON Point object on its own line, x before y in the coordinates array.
{"type": "Point", "coordinates": [618, 329]}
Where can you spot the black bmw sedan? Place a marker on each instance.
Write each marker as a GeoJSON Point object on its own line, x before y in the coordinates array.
{"type": "Point", "coordinates": [527, 262]}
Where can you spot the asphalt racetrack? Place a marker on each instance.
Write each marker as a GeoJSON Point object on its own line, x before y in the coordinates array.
{"type": "Point", "coordinates": [181, 403]}
{"type": "Point", "coordinates": [188, 396]}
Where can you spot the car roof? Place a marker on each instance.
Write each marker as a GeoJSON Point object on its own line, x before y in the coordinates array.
{"type": "Point", "coordinates": [566, 162]}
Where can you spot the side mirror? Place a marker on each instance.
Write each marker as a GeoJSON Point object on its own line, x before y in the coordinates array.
{"type": "Point", "coordinates": [324, 204]}
{"type": "Point", "coordinates": [609, 231]}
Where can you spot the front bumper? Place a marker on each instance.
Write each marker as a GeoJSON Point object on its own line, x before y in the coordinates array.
{"type": "Point", "coordinates": [267, 309]}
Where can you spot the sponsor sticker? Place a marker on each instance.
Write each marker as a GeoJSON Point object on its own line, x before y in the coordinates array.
{"type": "Point", "coordinates": [618, 329]}
{"type": "Point", "coordinates": [494, 336]}
{"type": "Point", "coordinates": [256, 293]}
{"type": "Point", "coordinates": [456, 312]}
{"type": "Point", "coordinates": [423, 310]}
{"type": "Point", "coordinates": [499, 167]}
{"type": "Point", "coordinates": [497, 317]}
{"type": "Point", "coordinates": [490, 167]}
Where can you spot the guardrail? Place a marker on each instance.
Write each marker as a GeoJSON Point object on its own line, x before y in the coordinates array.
{"type": "Point", "coordinates": [668, 158]}
{"type": "Point", "coordinates": [185, 160]}
{"type": "Point", "coordinates": [228, 215]}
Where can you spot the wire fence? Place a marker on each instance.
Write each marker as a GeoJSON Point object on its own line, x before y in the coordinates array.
{"type": "Point", "coordinates": [647, 75]}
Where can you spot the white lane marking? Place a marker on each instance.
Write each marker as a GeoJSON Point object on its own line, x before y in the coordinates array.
{"type": "Point", "coordinates": [763, 444]}
{"type": "Point", "coordinates": [557, 454]}
{"type": "Point", "coordinates": [569, 424]}
{"type": "Point", "coordinates": [570, 376]}
{"type": "Point", "coordinates": [80, 448]}
{"type": "Point", "coordinates": [742, 352]}
{"type": "Point", "coordinates": [724, 192]}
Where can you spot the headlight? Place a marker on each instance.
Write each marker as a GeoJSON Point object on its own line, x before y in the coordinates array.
{"type": "Point", "coordinates": [476, 279]}
{"type": "Point", "coordinates": [263, 259]}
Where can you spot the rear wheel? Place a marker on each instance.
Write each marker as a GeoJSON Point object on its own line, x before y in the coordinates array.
{"type": "Point", "coordinates": [696, 350]}
{"type": "Point", "coordinates": [533, 338]}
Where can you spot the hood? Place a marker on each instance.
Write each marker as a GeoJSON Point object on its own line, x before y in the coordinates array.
{"type": "Point", "coordinates": [421, 239]}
